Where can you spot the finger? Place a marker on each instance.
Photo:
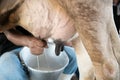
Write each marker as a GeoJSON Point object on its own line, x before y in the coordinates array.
{"type": "Point", "coordinates": [44, 43]}
{"type": "Point", "coordinates": [36, 51]}
{"type": "Point", "coordinates": [41, 43]}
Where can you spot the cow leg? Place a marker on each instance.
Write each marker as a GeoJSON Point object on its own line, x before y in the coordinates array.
{"type": "Point", "coordinates": [91, 21]}
{"type": "Point", "coordinates": [115, 40]}
{"type": "Point", "coordinates": [95, 37]}
{"type": "Point", "coordinates": [85, 66]}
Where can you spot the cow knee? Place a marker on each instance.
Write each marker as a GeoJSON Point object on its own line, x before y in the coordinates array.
{"type": "Point", "coordinates": [111, 70]}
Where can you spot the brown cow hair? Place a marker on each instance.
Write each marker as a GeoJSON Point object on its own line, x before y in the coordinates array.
{"type": "Point", "coordinates": [9, 19]}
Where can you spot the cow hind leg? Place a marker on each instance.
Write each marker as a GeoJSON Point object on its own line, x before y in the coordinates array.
{"type": "Point", "coordinates": [115, 40]}
{"type": "Point", "coordinates": [85, 65]}
{"type": "Point", "coordinates": [99, 49]}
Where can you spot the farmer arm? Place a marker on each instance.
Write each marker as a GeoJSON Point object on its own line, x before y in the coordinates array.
{"type": "Point", "coordinates": [36, 46]}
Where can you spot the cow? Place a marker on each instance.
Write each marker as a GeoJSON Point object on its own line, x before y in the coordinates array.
{"type": "Point", "coordinates": [88, 24]}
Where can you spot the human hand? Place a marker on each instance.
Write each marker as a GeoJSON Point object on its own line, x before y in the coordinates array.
{"type": "Point", "coordinates": [36, 46]}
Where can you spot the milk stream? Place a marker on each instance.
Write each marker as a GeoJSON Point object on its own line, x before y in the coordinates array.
{"type": "Point", "coordinates": [38, 63]}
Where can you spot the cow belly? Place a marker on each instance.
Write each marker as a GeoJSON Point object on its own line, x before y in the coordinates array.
{"type": "Point", "coordinates": [46, 19]}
